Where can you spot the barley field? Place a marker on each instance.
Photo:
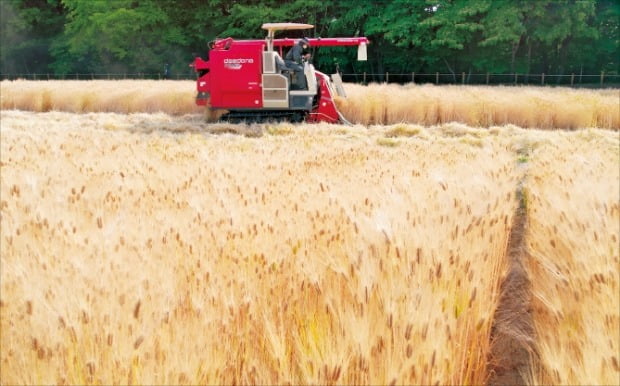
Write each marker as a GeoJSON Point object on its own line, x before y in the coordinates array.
{"type": "Point", "coordinates": [482, 106]}
{"type": "Point", "coordinates": [381, 104]}
{"type": "Point", "coordinates": [127, 96]}
{"type": "Point", "coordinates": [574, 210]}
{"type": "Point", "coordinates": [292, 258]}
{"type": "Point", "coordinates": [150, 247]}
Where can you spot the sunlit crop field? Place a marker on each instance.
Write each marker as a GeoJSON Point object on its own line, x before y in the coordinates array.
{"type": "Point", "coordinates": [384, 104]}
{"type": "Point", "coordinates": [154, 248]}
{"type": "Point", "coordinates": [482, 106]}
{"type": "Point", "coordinates": [295, 258]}
{"type": "Point", "coordinates": [574, 242]}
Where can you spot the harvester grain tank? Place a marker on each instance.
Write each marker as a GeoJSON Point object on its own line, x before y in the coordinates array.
{"type": "Point", "coordinates": [250, 80]}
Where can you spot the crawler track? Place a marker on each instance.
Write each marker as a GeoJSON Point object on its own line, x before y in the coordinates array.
{"type": "Point", "coordinates": [261, 116]}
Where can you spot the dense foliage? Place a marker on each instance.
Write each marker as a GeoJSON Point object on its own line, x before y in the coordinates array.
{"type": "Point", "coordinates": [451, 36]}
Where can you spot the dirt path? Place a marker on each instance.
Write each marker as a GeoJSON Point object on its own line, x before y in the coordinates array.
{"type": "Point", "coordinates": [512, 334]}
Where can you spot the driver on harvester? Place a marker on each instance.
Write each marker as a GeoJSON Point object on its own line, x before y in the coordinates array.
{"type": "Point", "coordinates": [294, 60]}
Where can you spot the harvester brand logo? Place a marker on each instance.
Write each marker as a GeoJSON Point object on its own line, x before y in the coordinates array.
{"type": "Point", "coordinates": [236, 64]}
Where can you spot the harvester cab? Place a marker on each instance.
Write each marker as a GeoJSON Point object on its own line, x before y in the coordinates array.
{"type": "Point", "coordinates": [250, 80]}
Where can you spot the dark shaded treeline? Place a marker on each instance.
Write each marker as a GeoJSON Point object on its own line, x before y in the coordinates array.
{"type": "Point", "coordinates": [451, 36]}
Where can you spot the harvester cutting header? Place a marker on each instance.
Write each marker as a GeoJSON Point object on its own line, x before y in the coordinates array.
{"type": "Point", "coordinates": [251, 80]}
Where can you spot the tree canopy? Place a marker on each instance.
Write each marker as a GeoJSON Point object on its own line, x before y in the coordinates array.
{"type": "Point", "coordinates": [497, 36]}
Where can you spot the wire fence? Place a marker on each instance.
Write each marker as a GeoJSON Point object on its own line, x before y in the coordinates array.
{"type": "Point", "coordinates": [438, 78]}
{"type": "Point", "coordinates": [95, 76]}
{"type": "Point", "coordinates": [571, 80]}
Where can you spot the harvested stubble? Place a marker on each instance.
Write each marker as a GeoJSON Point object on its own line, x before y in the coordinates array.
{"type": "Point", "coordinates": [477, 106]}
{"type": "Point", "coordinates": [316, 256]}
{"type": "Point", "coordinates": [573, 245]}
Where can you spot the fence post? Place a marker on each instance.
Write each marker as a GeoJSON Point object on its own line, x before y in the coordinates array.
{"type": "Point", "coordinates": [602, 77]}
{"type": "Point", "coordinates": [516, 75]}
{"type": "Point", "coordinates": [572, 79]}
{"type": "Point", "coordinates": [542, 79]}
{"type": "Point", "coordinates": [463, 78]}
{"type": "Point", "coordinates": [364, 78]}
{"type": "Point", "coordinates": [487, 78]}
{"type": "Point", "coordinates": [413, 77]}
{"type": "Point", "coordinates": [387, 77]}
{"type": "Point", "coordinates": [436, 78]}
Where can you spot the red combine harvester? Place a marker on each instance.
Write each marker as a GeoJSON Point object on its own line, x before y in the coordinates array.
{"type": "Point", "coordinates": [250, 80]}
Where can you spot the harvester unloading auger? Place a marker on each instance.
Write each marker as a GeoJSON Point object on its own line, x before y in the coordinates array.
{"type": "Point", "coordinates": [251, 82]}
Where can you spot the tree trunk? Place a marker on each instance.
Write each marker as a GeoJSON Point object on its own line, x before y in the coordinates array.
{"type": "Point", "coordinates": [529, 60]}
{"type": "Point", "coordinates": [450, 69]}
{"type": "Point", "coordinates": [380, 69]}
{"type": "Point", "coordinates": [515, 48]}
{"type": "Point", "coordinates": [562, 53]}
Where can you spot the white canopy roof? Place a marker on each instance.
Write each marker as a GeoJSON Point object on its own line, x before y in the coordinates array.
{"type": "Point", "coordinates": [285, 26]}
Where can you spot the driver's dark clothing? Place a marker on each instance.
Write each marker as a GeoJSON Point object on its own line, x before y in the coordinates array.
{"type": "Point", "coordinates": [294, 61]}
{"type": "Point", "coordinates": [296, 53]}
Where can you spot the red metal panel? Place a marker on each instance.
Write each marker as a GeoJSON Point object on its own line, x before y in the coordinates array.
{"type": "Point", "coordinates": [326, 110]}
{"type": "Point", "coordinates": [323, 42]}
{"type": "Point", "coordinates": [203, 83]}
{"type": "Point", "coordinates": [235, 74]}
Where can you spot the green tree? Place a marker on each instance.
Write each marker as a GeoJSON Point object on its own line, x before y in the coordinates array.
{"type": "Point", "coordinates": [607, 49]}
{"type": "Point", "coordinates": [455, 29]}
{"type": "Point", "coordinates": [391, 27]}
{"type": "Point", "coordinates": [567, 25]}
{"type": "Point", "coordinates": [124, 35]}
{"type": "Point", "coordinates": [505, 36]}
{"type": "Point", "coordinates": [27, 29]}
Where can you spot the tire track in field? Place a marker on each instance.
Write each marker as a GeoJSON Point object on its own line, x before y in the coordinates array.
{"type": "Point", "coordinates": [513, 344]}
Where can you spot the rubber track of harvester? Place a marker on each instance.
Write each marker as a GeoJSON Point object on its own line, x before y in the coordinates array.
{"type": "Point", "coordinates": [260, 116]}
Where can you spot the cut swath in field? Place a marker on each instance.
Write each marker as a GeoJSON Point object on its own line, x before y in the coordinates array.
{"type": "Point", "coordinates": [558, 321]}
